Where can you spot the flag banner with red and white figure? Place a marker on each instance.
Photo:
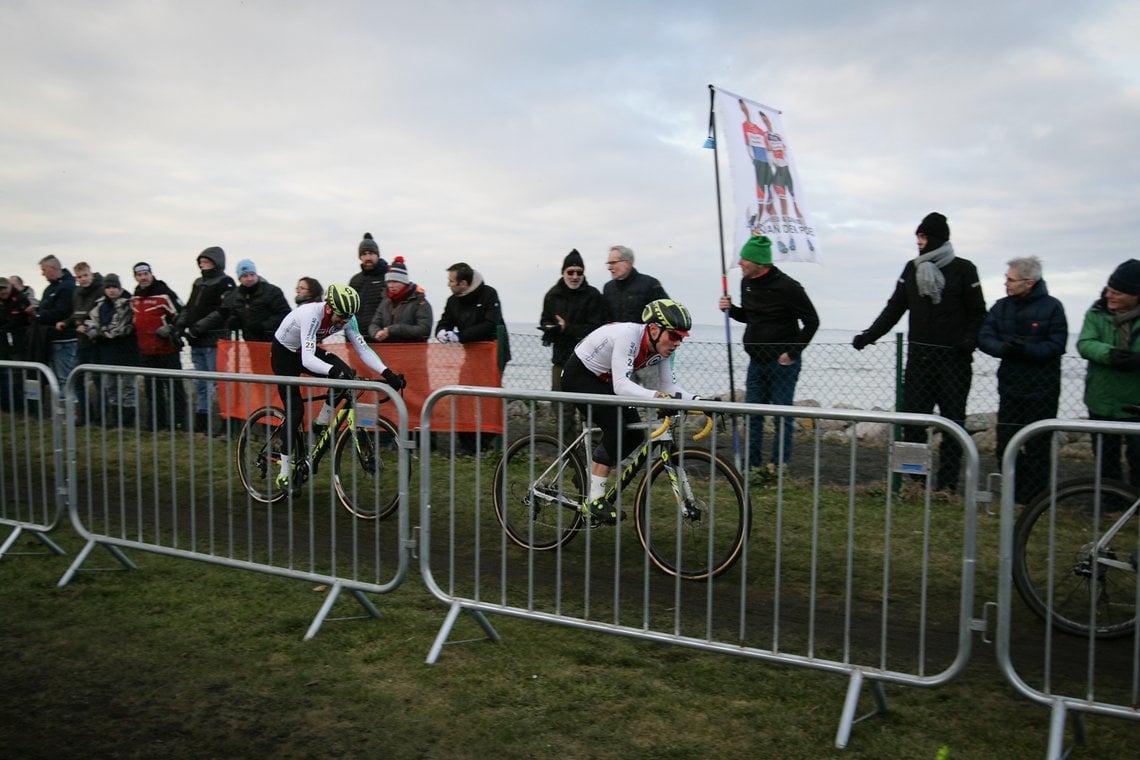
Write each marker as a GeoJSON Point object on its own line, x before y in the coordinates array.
{"type": "Point", "coordinates": [767, 196]}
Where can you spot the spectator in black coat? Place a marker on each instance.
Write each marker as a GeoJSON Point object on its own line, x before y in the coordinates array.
{"type": "Point", "coordinates": [369, 281]}
{"type": "Point", "coordinates": [628, 290]}
{"type": "Point", "coordinates": [193, 322]}
{"type": "Point", "coordinates": [571, 310]}
{"type": "Point", "coordinates": [255, 307]}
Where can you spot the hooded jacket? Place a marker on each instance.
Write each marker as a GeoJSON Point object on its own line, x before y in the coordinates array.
{"type": "Point", "coordinates": [206, 298]}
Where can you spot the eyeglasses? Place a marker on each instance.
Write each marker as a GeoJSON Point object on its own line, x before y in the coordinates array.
{"type": "Point", "coordinates": [575, 272]}
{"type": "Point", "coordinates": [614, 262]}
{"type": "Point", "coordinates": [1011, 280]}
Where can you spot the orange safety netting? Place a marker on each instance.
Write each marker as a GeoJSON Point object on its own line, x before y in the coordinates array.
{"type": "Point", "coordinates": [426, 366]}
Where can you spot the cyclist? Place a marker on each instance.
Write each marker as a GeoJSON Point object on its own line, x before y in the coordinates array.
{"type": "Point", "coordinates": [295, 350]}
{"type": "Point", "coordinates": [603, 363]}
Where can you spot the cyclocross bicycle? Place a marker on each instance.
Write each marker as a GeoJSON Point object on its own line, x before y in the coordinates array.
{"type": "Point", "coordinates": [1074, 557]}
{"type": "Point", "coordinates": [691, 513]}
{"type": "Point", "coordinates": [365, 472]}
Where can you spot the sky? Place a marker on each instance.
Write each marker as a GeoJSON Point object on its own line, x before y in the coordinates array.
{"type": "Point", "coordinates": [505, 133]}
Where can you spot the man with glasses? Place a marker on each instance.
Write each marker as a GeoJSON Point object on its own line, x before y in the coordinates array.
{"type": "Point", "coordinates": [571, 310]}
{"type": "Point", "coordinates": [628, 290]}
{"type": "Point", "coordinates": [604, 363]}
{"type": "Point", "coordinates": [1028, 331]}
{"type": "Point", "coordinates": [781, 320]}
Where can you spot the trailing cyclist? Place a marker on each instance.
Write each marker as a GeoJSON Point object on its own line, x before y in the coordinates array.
{"type": "Point", "coordinates": [603, 363]}
{"type": "Point", "coordinates": [295, 350]}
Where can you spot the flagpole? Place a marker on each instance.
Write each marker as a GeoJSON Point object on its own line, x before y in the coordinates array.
{"type": "Point", "coordinates": [723, 273]}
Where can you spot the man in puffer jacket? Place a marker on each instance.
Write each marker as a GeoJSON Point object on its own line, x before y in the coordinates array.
{"type": "Point", "coordinates": [1028, 331]}
{"type": "Point", "coordinates": [193, 323]}
{"type": "Point", "coordinates": [255, 307]}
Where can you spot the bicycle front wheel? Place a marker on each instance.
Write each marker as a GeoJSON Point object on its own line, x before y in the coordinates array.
{"type": "Point", "coordinates": [692, 515]}
{"type": "Point", "coordinates": [538, 489]}
{"type": "Point", "coordinates": [1062, 574]}
{"type": "Point", "coordinates": [259, 447]}
{"type": "Point", "coordinates": [366, 470]}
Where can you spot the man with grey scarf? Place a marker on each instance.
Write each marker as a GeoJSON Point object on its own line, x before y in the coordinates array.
{"type": "Point", "coordinates": [1110, 341]}
{"type": "Point", "coordinates": [944, 297]}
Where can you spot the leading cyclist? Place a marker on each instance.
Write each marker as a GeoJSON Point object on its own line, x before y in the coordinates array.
{"type": "Point", "coordinates": [295, 350]}
{"type": "Point", "coordinates": [604, 362]}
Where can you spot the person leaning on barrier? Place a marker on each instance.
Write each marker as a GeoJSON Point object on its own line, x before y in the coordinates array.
{"type": "Point", "coordinates": [571, 310]}
{"type": "Point", "coordinates": [404, 315]}
{"type": "Point", "coordinates": [604, 363]}
{"type": "Point", "coordinates": [781, 322]}
{"type": "Point", "coordinates": [295, 351]}
{"type": "Point", "coordinates": [1028, 331]}
{"type": "Point", "coordinates": [308, 290]}
{"type": "Point", "coordinates": [1110, 341]}
{"type": "Point", "coordinates": [944, 297]}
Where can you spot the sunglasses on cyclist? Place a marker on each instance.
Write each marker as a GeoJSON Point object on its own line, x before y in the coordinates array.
{"type": "Point", "coordinates": [677, 335]}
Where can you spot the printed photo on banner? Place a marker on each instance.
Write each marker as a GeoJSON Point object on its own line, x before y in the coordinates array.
{"type": "Point", "coordinates": [767, 196]}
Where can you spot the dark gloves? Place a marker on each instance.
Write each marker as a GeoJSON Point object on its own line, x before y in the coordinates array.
{"type": "Point", "coordinates": [1124, 360]}
{"type": "Point", "coordinates": [1013, 348]}
{"type": "Point", "coordinates": [190, 333]}
{"type": "Point", "coordinates": [341, 372]}
{"type": "Point", "coordinates": [861, 341]}
{"type": "Point", "coordinates": [397, 381]}
{"type": "Point", "coordinates": [164, 332]}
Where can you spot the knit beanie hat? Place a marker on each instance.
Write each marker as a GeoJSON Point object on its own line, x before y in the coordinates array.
{"type": "Point", "coordinates": [112, 281]}
{"type": "Point", "coordinates": [246, 266]}
{"type": "Point", "coordinates": [934, 226]}
{"type": "Point", "coordinates": [758, 250]}
{"type": "Point", "coordinates": [1126, 278]}
{"type": "Point", "coordinates": [573, 259]}
{"type": "Point", "coordinates": [368, 245]}
{"type": "Point", "coordinates": [397, 271]}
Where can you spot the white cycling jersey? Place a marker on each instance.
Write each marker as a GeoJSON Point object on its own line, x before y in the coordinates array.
{"type": "Point", "coordinates": [614, 351]}
{"type": "Point", "coordinates": [308, 324]}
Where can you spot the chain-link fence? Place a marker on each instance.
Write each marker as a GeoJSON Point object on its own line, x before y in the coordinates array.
{"type": "Point", "coordinates": [834, 374]}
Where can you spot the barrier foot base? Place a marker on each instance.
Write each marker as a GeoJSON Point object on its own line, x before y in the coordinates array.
{"type": "Point", "coordinates": [330, 600]}
{"type": "Point", "coordinates": [82, 557]}
{"type": "Point", "coordinates": [848, 720]}
{"type": "Point", "coordinates": [1058, 714]}
{"type": "Point", "coordinates": [449, 623]}
{"type": "Point", "coordinates": [12, 538]}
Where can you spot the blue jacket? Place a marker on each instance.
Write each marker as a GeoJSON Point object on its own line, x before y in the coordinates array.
{"type": "Point", "coordinates": [1035, 322]}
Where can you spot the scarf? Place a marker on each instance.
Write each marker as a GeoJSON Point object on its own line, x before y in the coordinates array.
{"type": "Point", "coordinates": [928, 271]}
{"type": "Point", "coordinates": [1123, 324]}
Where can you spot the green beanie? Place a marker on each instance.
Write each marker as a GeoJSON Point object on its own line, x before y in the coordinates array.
{"type": "Point", "coordinates": [758, 250]}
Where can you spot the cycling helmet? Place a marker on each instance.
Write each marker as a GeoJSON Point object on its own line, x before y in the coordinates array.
{"type": "Point", "coordinates": [667, 313]}
{"type": "Point", "coordinates": [343, 300]}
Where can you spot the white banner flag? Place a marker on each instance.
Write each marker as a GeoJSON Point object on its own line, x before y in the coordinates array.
{"type": "Point", "coordinates": [767, 197]}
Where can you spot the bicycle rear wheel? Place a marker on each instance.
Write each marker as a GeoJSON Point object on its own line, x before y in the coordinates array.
{"type": "Point", "coordinates": [1054, 552]}
{"type": "Point", "coordinates": [259, 448]}
{"type": "Point", "coordinates": [366, 470]}
{"type": "Point", "coordinates": [695, 531]}
{"type": "Point", "coordinates": [538, 489]}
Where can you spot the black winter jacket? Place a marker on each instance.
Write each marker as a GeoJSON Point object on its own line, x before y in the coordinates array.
{"type": "Point", "coordinates": [954, 322]}
{"type": "Point", "coordinates": [780, 317]}
{"type": "Point", "coordinates": [256, 311]}
{"type": "Point", "coordinates": [372, 289]}
{"type": "Point", "coordinates": [1029, 334]}
{"type": "Point", "coordinates": [626, 298]}
{"type": "Point", "coordinates": [476, 314]}
{"type": "Point", "coordinates": [205, 298]}
{"type": "Point", "coordinates": [584, 311]}
{"type": "Point", "coordinates": [56, 306]}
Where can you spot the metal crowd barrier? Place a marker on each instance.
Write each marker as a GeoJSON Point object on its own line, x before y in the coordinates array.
{"type": "Point", "coordinates": [154, 483]}
{"type": "Point", "coordinates": [815, 586]}
{"type": "Point", "coordinates": [31, 457]}
{"type": "Point", "coordinates": [1044, 655]}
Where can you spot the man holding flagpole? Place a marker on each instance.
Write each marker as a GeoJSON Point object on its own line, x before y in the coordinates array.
{"type": "Point", "coordinates": [781, 320]}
